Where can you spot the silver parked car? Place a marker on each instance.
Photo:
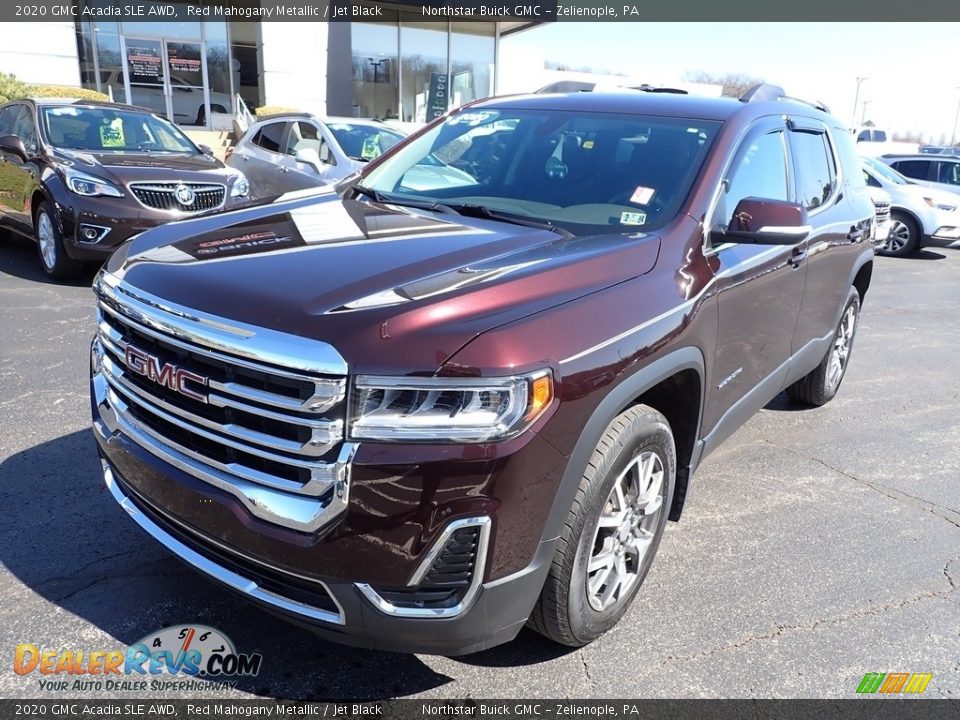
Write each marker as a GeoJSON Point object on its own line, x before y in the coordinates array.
{"type": "Point", "coordinates": [919, 213]}
{"type": "Point", "coordinates": [939, 171]}
{"type": "Point", "coordinates": [295, 151]}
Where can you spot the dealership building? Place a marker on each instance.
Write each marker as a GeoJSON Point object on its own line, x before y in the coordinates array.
{"type": "Point", "coordinates": [196, 72]}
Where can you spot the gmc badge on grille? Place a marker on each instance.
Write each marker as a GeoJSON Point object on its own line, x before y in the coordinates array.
{"type": "Point", "coordinates": [166, 374]}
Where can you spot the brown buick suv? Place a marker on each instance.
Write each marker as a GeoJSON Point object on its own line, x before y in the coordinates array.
{"type": "Point", "coordinates": [465, 390]}
{"type": "Point", "coordinates": [82, 177]}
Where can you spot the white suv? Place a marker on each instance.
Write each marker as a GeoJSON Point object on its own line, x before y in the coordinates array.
{"type": "Point", "coordinates": [918, 214]}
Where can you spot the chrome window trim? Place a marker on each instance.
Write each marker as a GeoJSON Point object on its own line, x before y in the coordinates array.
{"type": "Point", "coordinates": [211, 332]}
{"type": "Point", "coordinates": [476, 581]}
{"type": "Point", "coordinates": [238, 582]}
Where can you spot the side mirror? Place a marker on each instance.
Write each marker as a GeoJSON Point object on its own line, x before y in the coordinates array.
{"type": "Point", "coordinates": [309, 156]}
{"type": "Point", "coordinates": [767, 222]}
{"type": "Point", "coordinates": [14, 145]}
{"type": "Point", "coordinates": [205, 149]}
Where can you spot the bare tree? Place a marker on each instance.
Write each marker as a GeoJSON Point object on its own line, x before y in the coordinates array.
{"type": "Point", "coordinates": [734, 84]}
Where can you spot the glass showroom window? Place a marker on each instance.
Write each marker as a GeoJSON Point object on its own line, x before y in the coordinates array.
{"type": "Point", "coordinates": [472, 50]}
{"type": "Point", "coordinates": [424, 81]}
{"type": "Point", "coordinates": [375, 69]}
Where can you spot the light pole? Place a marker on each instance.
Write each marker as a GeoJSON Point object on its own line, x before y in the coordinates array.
{"type": "Point", "coordinates": [863, 114]}
{"type": "Point", "coordinates": [376, 70]}
{"type": "Point", "coordinates": [856, 98]}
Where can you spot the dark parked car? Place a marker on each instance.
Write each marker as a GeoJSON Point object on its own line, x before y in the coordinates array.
{"type": "Point", "coordinates": [419, 419]}
{"type": "Point", "coordinates": [81, 177]}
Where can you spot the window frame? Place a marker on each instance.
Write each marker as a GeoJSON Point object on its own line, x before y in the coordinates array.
{"type": "Point", "coordinates": [763, 126]}
{"type": "Point", "coordinates": [941, 163]}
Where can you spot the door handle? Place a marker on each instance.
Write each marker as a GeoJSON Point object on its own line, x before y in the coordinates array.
{"type": "Point", "coordinates": [797, 256]}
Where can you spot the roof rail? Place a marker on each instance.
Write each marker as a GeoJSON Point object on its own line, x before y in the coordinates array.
{"type": "Point", "coordinates": [647, 87]}
{"type": "Point", "coordinates": [766, 92]}
{"type": "Point", "coordinates": [763, 92]}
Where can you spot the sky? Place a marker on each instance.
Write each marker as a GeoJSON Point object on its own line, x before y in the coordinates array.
{"type": "Point", "coordinates": [913, 79]}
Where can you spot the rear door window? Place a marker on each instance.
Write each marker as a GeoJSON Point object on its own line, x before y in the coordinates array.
{"type": "Point", "coordinates": [270, 136]}
{"type": "Point", "coordinates": [917, 169]}
{"type": "Point", "coordinates": [816, 173]}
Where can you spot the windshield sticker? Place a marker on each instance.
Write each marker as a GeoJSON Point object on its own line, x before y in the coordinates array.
{"type": "Point", "coordinates": [478, 117]}
{"type": "Point", "coordinates": [633, 218]}
{"type": "Point", "coordinates": [69, 111]}
{"type": "Point", "coordinates": [371, 147]}
{"type": "Point", "coordinates": [111, 134]}
{"type": "Point", "coordinates": [642, 195]}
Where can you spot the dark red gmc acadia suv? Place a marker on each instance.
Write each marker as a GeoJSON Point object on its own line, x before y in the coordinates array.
{"type": "Point", "coordinates": [464, 390]}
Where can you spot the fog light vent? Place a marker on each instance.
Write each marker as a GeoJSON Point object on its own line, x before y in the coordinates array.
{"type": "Point", "coordinates": [447, 580]}
{"type": "Point", "coordinates": [92, 234]}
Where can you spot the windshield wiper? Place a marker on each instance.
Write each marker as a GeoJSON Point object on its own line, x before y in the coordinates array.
{"type": "Point", "coordinates": [482, 211]}
{"type": "Point", "coordinates": [379, 197]}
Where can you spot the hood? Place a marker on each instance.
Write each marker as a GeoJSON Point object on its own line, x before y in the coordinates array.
{"type": "Point", "coordinates": [389, 287]}
{"type": "Point", "coordinates": [124, 167]}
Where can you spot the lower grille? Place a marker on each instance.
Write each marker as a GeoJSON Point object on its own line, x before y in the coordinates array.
{"type": "Point", "coordinates": [180, 197]}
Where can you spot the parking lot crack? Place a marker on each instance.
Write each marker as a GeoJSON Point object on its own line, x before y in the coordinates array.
{"type": "Point", "coordinates": [781, 629]}
{"type": "Point", "coordinates": [941, 511]}
{"type": "Point", "coordinates": [586, 667]}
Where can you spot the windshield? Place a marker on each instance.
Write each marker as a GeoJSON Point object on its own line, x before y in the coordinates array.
{"type": "Point", "coordinates": [885, 171]}
{"type": "Point", "coordinates": [111, 129]}
{"type": "Point", "coordinates": [584, 172]}
{"type": "Point", "coordinates": [364, 142]}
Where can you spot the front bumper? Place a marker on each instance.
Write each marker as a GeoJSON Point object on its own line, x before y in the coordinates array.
{"type": "Point", "coordinates": [342, 613]}
{"type": "Point", "coordinates": [113, 220]}
{"type": "Point", "coordinates": [399, 508]}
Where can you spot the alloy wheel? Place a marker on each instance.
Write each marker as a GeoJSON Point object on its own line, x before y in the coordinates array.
{"type": "Point", "coordinates": [47, 240]}
{"type": "Point", "coordinates": [898, 238]}
{"type": "Point", "coordinates": [841, 346]}
{"type": "Point", "coordinates": [625, 531]}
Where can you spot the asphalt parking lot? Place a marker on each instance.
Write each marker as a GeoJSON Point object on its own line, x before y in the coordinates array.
{"type": "Point", "coordinates": [817, 545]}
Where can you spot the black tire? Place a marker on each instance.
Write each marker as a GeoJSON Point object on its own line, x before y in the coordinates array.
{"type": "Point", "coordinates": [821, 385]}
{"type": "Point", "coordinates": [564, 612]}
{"type": "Point", "coordinates": [904, 237]}
{"type": "Point", "coordinates": [53, 255]}
{"type": "Point", "coordinates": [202, 115]}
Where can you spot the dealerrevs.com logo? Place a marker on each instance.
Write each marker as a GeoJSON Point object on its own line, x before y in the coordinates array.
{"type": "Point", "coordinates": [187, 652]}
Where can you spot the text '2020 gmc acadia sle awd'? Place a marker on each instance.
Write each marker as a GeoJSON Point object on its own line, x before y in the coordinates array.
{"type": "Point", "coordinates": [418, 419]}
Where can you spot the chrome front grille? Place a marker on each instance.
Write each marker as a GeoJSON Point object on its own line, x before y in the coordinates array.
{"type": "Point", "coordinates": [167, 196]}
{"type": "Point", "coordinates": [272, 435]}
{"type": "Point", "coordinates": [882, 213]}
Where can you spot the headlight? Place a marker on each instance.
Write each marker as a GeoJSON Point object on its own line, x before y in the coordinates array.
{"type": "Point", "coordinates": [470, 410]}
{"type": "Point", "coordinates": [88, 185]}
{"type": "Point", "coordinates": [240, 186]}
